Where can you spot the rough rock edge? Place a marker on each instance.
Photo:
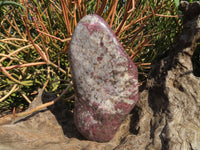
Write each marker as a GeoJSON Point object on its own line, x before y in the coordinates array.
{"type": "Point", "coordinates": [173, 92]}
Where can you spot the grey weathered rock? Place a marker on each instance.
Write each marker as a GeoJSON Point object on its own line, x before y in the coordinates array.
{"type": "Point", "coordinates": [169, 118]}
{"type": "Point", "coordinates": [166, 116]}
{"type": "Point", "coordinates": [105, 79]}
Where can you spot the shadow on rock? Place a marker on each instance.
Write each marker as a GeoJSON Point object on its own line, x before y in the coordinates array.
{"type": "Point", "coordinates": [63, 116]}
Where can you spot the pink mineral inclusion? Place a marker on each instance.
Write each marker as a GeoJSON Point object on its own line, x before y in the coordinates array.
{"type": "Point", "coordinates": [97, 129]}
{"type": "Point", "coordinates": [93, 27]}
{"type": "Point", "coordinates": [99, 58]}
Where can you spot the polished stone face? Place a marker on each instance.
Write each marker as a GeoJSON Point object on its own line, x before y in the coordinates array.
{"type": "Point", "coordinates": [105, 79]}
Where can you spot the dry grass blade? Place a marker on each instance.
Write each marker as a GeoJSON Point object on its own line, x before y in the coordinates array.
{"type": "Point", "coordinates": [133, 6]}
{"type": "Point", "coordinates": [112, 12]}
{"type": "Point", "coordinates": [17, 51]}
{"type": "Point", "coordinates": [35, 46]}
{"type": "Point", "coordinates": [11, 77]}
{"type": "Point", "coordinates": [64, 8]}
{"type": "Point", "coordinates": [133, 39]}
{"type": "Point", "coordinates": [79, 8]}
{"type": "Point", "coordinates": [14, 88]}
{"type": "Point", "coordinates": [140, 47]}
{"type": "Point", "coordinates": [124, 19]}
{"type": "Point", "coordinates": [24, 65]}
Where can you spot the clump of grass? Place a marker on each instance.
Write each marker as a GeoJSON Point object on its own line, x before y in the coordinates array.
{"type": "Point", "coordinates": [34, 41]}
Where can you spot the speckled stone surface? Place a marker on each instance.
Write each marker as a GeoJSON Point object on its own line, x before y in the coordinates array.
{"type": "Point", "coordinates": [105, 79]}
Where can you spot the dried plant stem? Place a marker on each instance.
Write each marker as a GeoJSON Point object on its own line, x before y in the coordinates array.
{"type": "Point", "coordinates": [48, 76]}
{"type": "Point", "coordinates": [10, 92]}
{"type": "Point", "coordinates": [45, 104]}
{"type": "Point", "coordinates": [68, 26]}
{"type": "Point", "coordinates": [24, 65]}
{"type": "Point", "coordinates": [26, 98]}
{"type": "Point", "coordinates": [168, 16]}
{"type": "Point", "coordinates": [9, 118]}
{"type": "Point", "coordinates": [142, 64]}
{"type": "Point", "coordinates": [79, 8]}
{"type": "Point", "coordinates": [11, 58]}
{"type": "Point", "coordinates": [59, 68]}
{"type": "Point", "coordinates": [35, 46]}
{"type": "Point", "coordinates": [123, 20]}
{"type": "Point", "coordinates": [15, 27]}
{"type": "Point", "coordinates": [97, 4]}
{"type": "Point", "coordinates": [13, 39]}
{"type": "Point", "coordinates": [69, 98]}
{"type": "Point", "coordinates": [133, 7]}
{"type": "Point", "coordinates": [112, 12]}
{"type": "Point", "coordinates": [10, 77]}
{"type": "Point", "coordinates": [101, 9]}
{"type": "Point", "coordinates": [16, 51]}
{"type": "Point", "coordinates": [62, 40]}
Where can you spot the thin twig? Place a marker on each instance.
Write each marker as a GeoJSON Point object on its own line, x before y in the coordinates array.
{"type": "Point", "coordinates": [168, 16]}
{"type": "Point", "coordinates": [45, 104]}
{"type": "Point", "coordinates": [24, 65]}
{"type": "Point", "coordinates": [26, 98]}
{"type": "Point", "coordinates": [14, 39]}
{"type": "Point", "coordinates": [123, 20]}
{"type": "Point", "coordinates": [48, 76]}
{"type": "Point", "coordinates": [69, 98]}
{"type": "Point", "coordinates": [62, 40]}
{"type": "Point", "coordinates": [16, 51]}
{"type": "Point", "coordinates": [9, 118]}
{"type": "Point", "coordinates": [59, 68]}
{"type": "Point", "coordinates": [10, 92]}
{"type": "Point", "coordinates": [133, 7]}
{"type": "Point", "coordinates": [30, 38]}
{"type": "Point", "coordinates": [103, 6]}
{"type": "Point", "coordinates": [10, 77]}
{"type": "Point", "coordinates": [97, 4]}
{"type": "Point", "coordinates": [65, 14]}
{"type": "Point", "coordinates": [112, 12]}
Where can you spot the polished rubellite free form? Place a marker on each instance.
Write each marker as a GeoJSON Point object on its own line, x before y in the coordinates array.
{"type": "Point", "coordinates": [105, 79]}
